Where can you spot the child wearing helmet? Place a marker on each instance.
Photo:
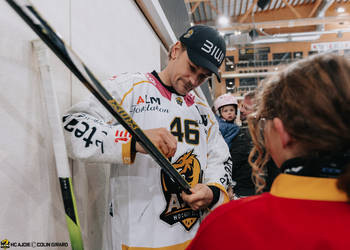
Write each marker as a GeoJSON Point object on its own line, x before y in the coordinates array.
{"type": "Point", "coordinates": [226, 107]}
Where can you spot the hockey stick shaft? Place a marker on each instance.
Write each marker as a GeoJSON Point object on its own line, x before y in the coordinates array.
{"type": "Point", "coordinates": [78, 68]}
{"type": "Point", "coordinates": [59, 147]}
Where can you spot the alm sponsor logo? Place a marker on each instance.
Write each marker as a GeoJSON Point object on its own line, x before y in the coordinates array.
{"type": "Point", "coordinates": [146, 104]}
{"type": "Point", "coordinates": [148, 99]}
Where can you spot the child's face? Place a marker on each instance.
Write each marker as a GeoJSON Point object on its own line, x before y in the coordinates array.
{"type": "Point", "coordinates": [228, 112]}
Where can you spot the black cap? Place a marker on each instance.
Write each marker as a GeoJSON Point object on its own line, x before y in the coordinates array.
{"type": "Point", "coordinates": [205, 47]}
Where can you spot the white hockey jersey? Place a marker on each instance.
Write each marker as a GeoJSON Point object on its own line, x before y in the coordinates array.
{"type": "Point", "coordinates": [146, 208]}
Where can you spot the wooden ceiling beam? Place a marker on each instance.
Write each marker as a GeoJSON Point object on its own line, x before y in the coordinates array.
{"type": "Point", "coordinates": [217, 6]}
{"type": "Point", "coordinates": [205, 11]}
{"type": "Point", "coordinates": [213, 8]}
{"type": "Point", "coordinates": [269, 5]}
{"type": "Point", "coordinates": [246, 6]}
{"type": "Point", "coordinates": [248, 12]}
{"type": "Point", "coordinates": [280, 6]}
{"type": "Point", "coordinates": [274, 5]}
{"type": "Point", "coordinates": [316, 5]}
{"type": "Point", "coordinates": [195, 6]}
{"type": "Point", "coordinates": [229, 8]}
{"type": "Point", "coordinates": [292, 9]}
{"type": "Point", "coordinates": [234, 8]}
{"type": "Point", "coordinates": [287, 23]}
{"type": "Point", "coordinates": [240, 7]}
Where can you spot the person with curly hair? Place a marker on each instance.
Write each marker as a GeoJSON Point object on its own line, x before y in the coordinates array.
{"type": "Point", "coordinates": [301, 121]}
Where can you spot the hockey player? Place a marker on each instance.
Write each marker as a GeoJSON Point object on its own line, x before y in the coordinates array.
{"type": "Point", "coordinates": [147, 208]}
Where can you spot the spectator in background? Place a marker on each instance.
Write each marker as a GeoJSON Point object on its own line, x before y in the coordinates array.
{"type": "Point", "coordinates": [226, 107]}
{"type": "Point", "coordinates": [247, 107]}
{"type": "Point", "coordinates": [240, 148]}
{"type": "Point", "coordinates": [303, 123]}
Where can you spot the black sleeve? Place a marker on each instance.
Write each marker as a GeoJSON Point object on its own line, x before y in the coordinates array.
{"type": "Point", "coordinates": [216, 195]}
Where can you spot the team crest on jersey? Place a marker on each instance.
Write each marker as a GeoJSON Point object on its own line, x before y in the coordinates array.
{"type": "Point", "coordinates": [176, 209]}
{"type": "Point", "coordinates": [189, 33]}
{"type": "Point", "coordinates": [179, 100]}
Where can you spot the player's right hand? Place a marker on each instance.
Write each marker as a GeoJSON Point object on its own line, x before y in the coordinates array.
{"type": "Point", "coordinates": [162, 139]}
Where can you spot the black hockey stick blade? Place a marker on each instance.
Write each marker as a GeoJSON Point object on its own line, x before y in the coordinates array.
{"type": "Point", "coordinates": [38, 24]}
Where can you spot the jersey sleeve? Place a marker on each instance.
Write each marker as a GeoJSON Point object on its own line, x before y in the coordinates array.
{"type": "Point", "coordinates": [219, 164]}
{"type": "Point", "coordinates": [91, 132]}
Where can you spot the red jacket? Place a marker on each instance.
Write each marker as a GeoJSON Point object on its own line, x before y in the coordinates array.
{"type": "Point", "coordinates": [299, 213]}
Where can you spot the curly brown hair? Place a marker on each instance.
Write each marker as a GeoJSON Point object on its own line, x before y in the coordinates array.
{"type": "Point", "coordinates": [312, 98]}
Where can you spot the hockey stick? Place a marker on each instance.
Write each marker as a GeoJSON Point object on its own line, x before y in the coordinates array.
{"type": "Point", "coordinates": [59, 147]}
{"type": "Point", "coordinates": [29, 14]}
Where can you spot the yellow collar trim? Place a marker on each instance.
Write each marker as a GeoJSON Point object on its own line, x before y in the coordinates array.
{"type": "Point", "coordinates": [307, 188]}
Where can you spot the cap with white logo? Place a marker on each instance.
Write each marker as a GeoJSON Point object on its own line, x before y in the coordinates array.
{"type": "Point", "coordinates": [205, 47]}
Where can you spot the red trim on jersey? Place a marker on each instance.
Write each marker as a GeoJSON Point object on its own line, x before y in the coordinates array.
{"type": "Point", "coordinates": [189, 98]}
{"type": "Point", "coordinates": [163, 91]}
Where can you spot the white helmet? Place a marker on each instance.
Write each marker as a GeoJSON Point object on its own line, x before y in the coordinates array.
{"type": "Point", "coordinates": [223, 100]}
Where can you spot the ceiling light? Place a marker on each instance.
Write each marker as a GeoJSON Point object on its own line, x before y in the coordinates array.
{"type": "Point", "coordinates": [223, 20]}
{"type": "Point", "coordinates": [340, 10]}
{"type": "Point", "coordinates": [270, 40]}
{"type": "Point", "coordinates": [305, 38]}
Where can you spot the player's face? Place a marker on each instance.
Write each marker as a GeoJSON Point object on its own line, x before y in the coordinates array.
{"type": "Point", "coordinates": [228, 112]}
{"type": "Point", "coordinates": [186, 75]}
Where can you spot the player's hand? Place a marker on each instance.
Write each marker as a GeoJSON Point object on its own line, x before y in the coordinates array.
{"type": "Point", "coordinates": [162, 139]}
{"type": "Point", "coordinates": [200, 198]}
